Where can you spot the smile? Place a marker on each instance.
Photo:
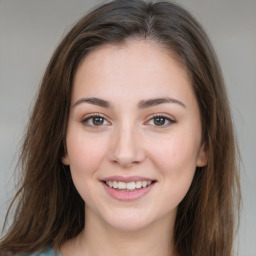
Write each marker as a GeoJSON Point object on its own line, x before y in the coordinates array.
{"type": "Point", "coordinates": [128, 186]}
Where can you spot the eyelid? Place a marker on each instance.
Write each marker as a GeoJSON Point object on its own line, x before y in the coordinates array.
{"type": "Point", "coordinates": [93, 115]}
{"type": "Point", "coordinates": [165, 116]}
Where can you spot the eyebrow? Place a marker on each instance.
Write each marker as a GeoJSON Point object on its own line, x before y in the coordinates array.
{"type": "Point", "coordinates": [153, 102]}
{"type": "Point", "coordinates": [142, 104]}
{"type": "Point", "coordinates": [93, 101]}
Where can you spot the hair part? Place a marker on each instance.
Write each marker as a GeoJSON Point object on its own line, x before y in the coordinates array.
{"type": "Point", "coordinates": [50, 211]}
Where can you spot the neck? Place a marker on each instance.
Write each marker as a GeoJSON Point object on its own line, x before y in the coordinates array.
{"type": "Point", "coordinates": [99, 238]}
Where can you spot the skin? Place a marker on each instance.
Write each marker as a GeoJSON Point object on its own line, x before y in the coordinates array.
{"type": "Point", "coordinates": [130, 142]}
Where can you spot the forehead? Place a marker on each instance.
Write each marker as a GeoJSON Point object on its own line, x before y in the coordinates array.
{"type": "Point", "coordinates": [147, 49]}
{"type": "Point", "coordinates": [134, 68]}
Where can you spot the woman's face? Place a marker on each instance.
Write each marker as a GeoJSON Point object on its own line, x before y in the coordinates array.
{"type": "Point", "coordinates": [134, 134]}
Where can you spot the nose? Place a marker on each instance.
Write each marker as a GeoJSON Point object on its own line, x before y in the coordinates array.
{"type": "Point", "coordinates": [126, 147]}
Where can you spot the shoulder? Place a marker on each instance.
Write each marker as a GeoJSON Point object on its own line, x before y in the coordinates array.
{"type": "Point", "coordinates": [49, 252]}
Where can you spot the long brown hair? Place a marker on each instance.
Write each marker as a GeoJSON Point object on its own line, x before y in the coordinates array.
{"type": "Point", "coordinates": [50, 210]}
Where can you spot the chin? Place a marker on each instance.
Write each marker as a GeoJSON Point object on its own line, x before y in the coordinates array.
{"type": "Point", "coordinates": [130, 225]}
{"type": "Point", "coordinates": [128, 219]}
{"type": "Point", "coordinates": [131, 220]}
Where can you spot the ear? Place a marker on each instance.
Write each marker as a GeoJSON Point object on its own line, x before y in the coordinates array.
{"type": "Point", "coordinates": [202, 157]}
{"type": "Point", "coordinates": [65, 159]}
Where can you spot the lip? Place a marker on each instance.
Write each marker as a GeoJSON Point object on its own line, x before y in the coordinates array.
{"type": "Point", "coordinates": [127, 195]}
{"type": "Point", "coordinates": [126, 179]}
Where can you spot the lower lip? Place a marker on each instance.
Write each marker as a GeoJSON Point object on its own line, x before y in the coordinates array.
{"type": "Point", "coordinates": [128, 195]}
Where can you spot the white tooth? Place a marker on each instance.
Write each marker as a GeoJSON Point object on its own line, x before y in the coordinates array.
{"type": "Point", "coordinates": [130, 185]}
{"type": "Point", "coordinates": [149, 182]}
{"type": "Point", "coordinates": [121, 185]}
{"type": "Point", "coordinates": [138, 184]}
{"type": "Point", "coordinates": [114, 184]}
{"type": "Point", "coordinates": [110, 183]}
{"type": "Point", "coordinates": [144, 183]}
{"type": "Point", "coordinates": [107, 182]}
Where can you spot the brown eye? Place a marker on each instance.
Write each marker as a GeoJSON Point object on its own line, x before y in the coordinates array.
{"type": "Point", "coordinates": [97, 120]}
{"type": "Point", "coordinates": [159, 121]}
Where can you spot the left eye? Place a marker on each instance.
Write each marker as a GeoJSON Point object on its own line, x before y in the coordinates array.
{"type": "Point", "coordinates": [160, 121]}
{"type": "Point", "coordinates": [95, 121]}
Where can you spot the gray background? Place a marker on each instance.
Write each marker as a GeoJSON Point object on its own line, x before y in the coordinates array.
{"type": "Point", "coordinates": [31, 29]}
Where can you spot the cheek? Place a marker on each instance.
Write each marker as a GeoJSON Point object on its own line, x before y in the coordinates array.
{"type": "Point", "coordinates": [175, 158]}
{"type": "Point", "coordinates": [176, 161]}
{"type": "Point", "coordinates": [175, 155]}
{"type": "Point", "coordinates": [85, 154]}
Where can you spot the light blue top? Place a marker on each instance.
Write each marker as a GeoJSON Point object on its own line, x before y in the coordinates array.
{"type": "Point", "coordinates": [49, 252]}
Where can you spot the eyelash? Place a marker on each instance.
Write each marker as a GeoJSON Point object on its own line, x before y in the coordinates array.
{"type": "Point", "coordinates": [152, 118]}
{"type": "Point", "coordinates": [165, 118]}
{"type": "Point", "coordinates": [91, 117]}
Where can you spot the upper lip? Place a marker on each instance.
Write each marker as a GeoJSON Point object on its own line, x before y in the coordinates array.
{"type": "Point", "coordinates": [126, 179]}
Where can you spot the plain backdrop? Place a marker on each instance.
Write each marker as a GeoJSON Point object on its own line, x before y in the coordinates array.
{"type": "Point", "coordinates": [31, 29]}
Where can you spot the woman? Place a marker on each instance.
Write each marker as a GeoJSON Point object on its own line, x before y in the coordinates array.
{"type": "Point", "coordinates": [130, 144]}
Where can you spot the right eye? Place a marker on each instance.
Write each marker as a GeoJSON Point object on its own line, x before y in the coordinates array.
{"type": "Point", "coordinates": [95, 121]}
